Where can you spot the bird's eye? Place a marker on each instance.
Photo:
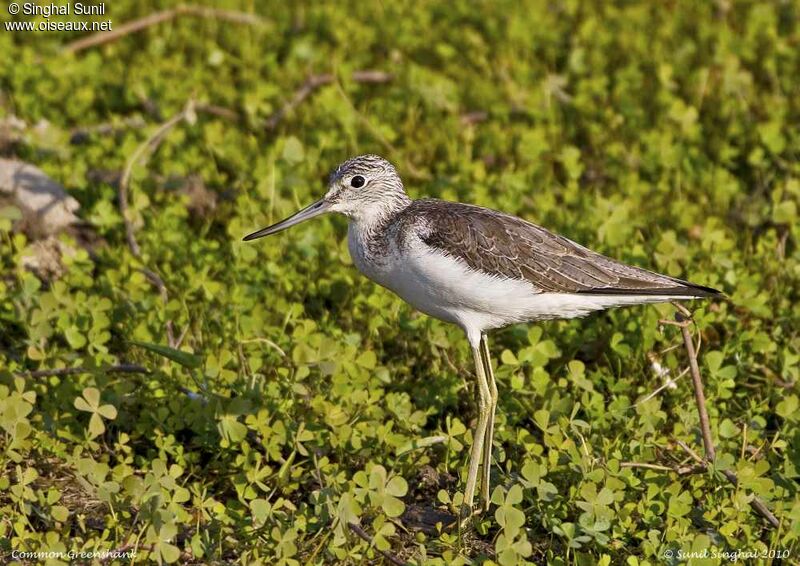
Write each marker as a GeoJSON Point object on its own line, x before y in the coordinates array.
{"type": "Point", "coordinates": [357, 181]}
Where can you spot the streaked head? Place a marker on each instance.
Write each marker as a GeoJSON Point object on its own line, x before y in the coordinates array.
{"type": "Point", "coordinates": [362, 188]}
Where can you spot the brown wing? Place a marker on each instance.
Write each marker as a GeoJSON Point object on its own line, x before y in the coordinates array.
{"type": "Point", "coordinates": [507, 246]}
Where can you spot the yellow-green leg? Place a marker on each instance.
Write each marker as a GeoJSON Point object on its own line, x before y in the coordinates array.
{"type": "Point", "coordinates": [489, 434]}
{"type": "Point", "coordinates": [479, 434]}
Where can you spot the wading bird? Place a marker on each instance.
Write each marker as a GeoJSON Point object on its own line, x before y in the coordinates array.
{"type": "Point", "coordinates": [478, 268]}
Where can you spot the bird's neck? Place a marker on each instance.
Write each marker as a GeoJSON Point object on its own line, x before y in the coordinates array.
{"type": "Point", "coordinates": [375, 217]}
{"type": "Point", "coordinates": [368, 236]}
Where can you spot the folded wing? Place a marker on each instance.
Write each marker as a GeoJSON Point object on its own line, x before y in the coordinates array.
{"type": "Point", "coordinates": [506, 246]}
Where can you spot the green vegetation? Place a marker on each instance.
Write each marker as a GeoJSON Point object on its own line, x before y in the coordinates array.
{"type": "Point", "coordinates": [302, 397]}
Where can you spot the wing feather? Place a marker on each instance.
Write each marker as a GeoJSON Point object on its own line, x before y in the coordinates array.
{"type": "Point", "coordinates": [506, 246]}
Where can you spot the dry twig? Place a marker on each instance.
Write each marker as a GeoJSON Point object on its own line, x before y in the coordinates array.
{"type": "Point", "coordinates": [80, 134]}
{"type": "Point", "coordinates": [148, 146]}
{"type": "Point", "coordinates": [669, 383]}
{"type": "Point", "coordinates": [388, 556]}
{"type": "Point", "coordinates": [683, 320]}
{"type": "Point", "coordinates": [159, 17]}
{"type": "Point", "coordinates": [474, 117]}
{"type": "Point", "coordinates": [220, 111]}
{"type": "Point", "coordinates": [313, 83]}
{"type": "Point", "coordinates": [120, 368]}
{"type": "Point", "coordinates": [757, 505]}
{"type": "Point", "coordinates": [306, 89]}
{"type": "Point", "coordinates": [680, 470]}
{"type": "Point", "coordinates": [646, 466]}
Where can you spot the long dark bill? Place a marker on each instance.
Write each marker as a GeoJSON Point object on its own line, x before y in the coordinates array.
{"type": "Point", "coordinates": [319, 207]}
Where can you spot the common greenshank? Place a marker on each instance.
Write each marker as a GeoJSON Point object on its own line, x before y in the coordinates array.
{"type": "Point", "coordinates": [475, 267]}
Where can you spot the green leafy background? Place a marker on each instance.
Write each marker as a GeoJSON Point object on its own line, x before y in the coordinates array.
{"type": "Point", "coordinates": [304, 397]}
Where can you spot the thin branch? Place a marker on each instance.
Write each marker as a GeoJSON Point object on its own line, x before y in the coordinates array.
{"type": "Point", "coordinates": [757, 505]}
{"type": "Point", "coordinates": [159, 284]}
{"type": "Point", "coordinates": [688, 315]}
{"type": "Point", "coordinates": [120, 368]}
{"type": "Point", "coordinates": [80, 134]}
{"type": "Point", "coordinates": [266, 341]}
{"type": "Point", "coordinates": [372, 76]}
{"type": "Point", "coordinates": [220, 111]}
{"type": "Point", "coordinates": [179, 341]}
{"type": "Point", "coordinates": [688, 470]}
{"type": "Point", "coordinates": [668, 349]}
{"type": "Point", "coordinates": [683, 320]}
{"type": "Point", "coordinates": [669, 383]}
{"type": "Point", "coordinates": [658, 467]}
{"type": "Point", "coordinates": [699, 395]}
{"type": "Point", "coordinates": [388, 556]}
{"type": "Point", "coordinates": [691, 453]}
{"type": "Point", "coordinates": [474, 117]}
{"type": "Point", "coordinates": [450, 364]}
{"type": "Point", "coordinates": [701, 465]}
{"type": "Point", "coordinates": [306, 89]}
{"type": "Point", "coordinates": [679, 468]}
{"type": "Point", "coordinates": [314, 83]}
{"type": "Point", "coordinates": [148, 146]}
{"type": "Point", "coordinates": [159, 17]}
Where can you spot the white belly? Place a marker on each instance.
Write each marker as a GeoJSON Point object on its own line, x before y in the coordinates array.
{"type": "Point", "coordinates": [443, 287]}
{"type": "Point", "coordinates": [446, 288]}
